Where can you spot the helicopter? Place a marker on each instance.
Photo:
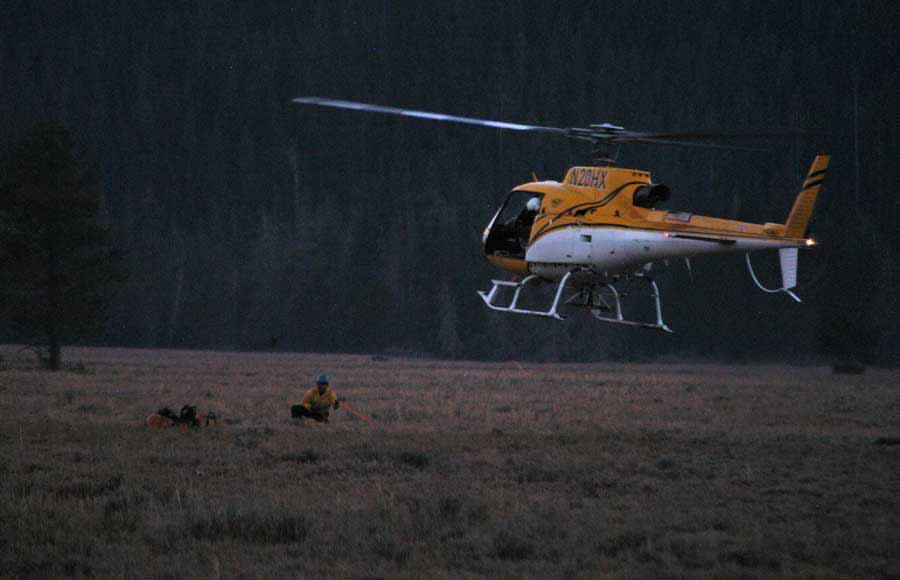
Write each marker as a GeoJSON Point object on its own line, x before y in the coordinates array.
{"type": "Point", "coordinates": [596, 234]}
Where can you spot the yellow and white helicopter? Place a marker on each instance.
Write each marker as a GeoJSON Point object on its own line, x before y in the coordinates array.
{"type": "Point", "coordinates": [598, 229]}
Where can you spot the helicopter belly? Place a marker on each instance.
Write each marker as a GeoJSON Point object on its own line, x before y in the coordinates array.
{"type": "Point", "coordinates": [604, 250]}
{"type": "Point", "coordinates": [610, 251]}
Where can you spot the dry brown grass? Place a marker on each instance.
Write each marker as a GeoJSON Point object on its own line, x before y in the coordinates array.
{"type": "Point", "coordinates": [468, 470]}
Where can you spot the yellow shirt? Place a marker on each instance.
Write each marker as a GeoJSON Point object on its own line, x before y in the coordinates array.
{"type": "Point", "coordinates": [319, 403]}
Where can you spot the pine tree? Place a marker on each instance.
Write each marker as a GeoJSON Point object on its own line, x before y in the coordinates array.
{"type": "Point", "coordinates": [57, 263]}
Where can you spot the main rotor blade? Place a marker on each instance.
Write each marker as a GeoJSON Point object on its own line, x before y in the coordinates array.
{"type": "Point", "coordinates": [604, 133]}
{"type": "Point", "coordinates": [730, 134]}
{"type": "Point", "coordinates": [425, 115]}
{"type": "Point", "coordinates": [693, 144]}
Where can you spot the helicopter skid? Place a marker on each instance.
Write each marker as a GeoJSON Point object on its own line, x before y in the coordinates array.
{"type": "Point", "coordinates": [600, 313]}
{"type": "Point", "coordinates": [601, 299]}
{"type": "Point", "coordinates": [489, 297]}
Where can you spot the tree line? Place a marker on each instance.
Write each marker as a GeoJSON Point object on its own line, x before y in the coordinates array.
{"type": "Point", "coordinates": [247, 223]}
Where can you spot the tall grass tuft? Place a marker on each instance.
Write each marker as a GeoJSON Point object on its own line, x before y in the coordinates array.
{"type": "Point", "coordinates": [249, 526]}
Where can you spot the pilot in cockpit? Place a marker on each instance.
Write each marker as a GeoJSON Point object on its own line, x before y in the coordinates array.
{"type": "Point", "coordinates": [526, 218]}
{"type": "Point", "coordinates": [531, 208]}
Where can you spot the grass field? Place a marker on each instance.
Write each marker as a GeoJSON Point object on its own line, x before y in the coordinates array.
{"type": "Point", "coordinates": [465, 470]}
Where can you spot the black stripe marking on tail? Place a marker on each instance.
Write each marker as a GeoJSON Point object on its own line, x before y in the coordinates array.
{"type": "Point", "coordinates": [809, 185]}
{"type": "Point", "coordinates": [816, 173]}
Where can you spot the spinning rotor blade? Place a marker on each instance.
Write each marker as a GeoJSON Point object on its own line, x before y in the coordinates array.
{"type": "Point", "coordinates": [425, 115]}
{"type": "Point", "coordinates": [603, 133]}
{"type": "Point", "coordinates": [712, 134]}
{"type": "Point", "coordinates": [690, 144]}
{"type": "Point", "coordinates": [705, 138]}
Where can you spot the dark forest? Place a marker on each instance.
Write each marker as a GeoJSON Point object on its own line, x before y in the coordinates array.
{"type": "Point", "coordinates": [249, 223]}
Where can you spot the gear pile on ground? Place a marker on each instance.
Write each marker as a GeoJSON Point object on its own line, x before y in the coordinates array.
{"type": "Point", "coordinates": [186, 419]}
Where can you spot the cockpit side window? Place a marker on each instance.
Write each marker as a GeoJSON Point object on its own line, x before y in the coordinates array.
{"type": "Point", "coordinates": [518, 202]}
{"type": "Point", "coordinates": [512, 227]}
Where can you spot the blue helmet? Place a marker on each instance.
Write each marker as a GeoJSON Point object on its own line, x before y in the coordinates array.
{"type": "Point", "coordinates": [323, 379]}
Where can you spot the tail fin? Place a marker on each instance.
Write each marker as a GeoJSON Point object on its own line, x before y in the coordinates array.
{"type": "Point", "coordinates": [788, 259]}
{"type": "Point", "coordinates": [795, 227]}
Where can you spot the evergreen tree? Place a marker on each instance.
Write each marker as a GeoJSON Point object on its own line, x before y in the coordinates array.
{"type": "Point", "coordinates": [57, 263]}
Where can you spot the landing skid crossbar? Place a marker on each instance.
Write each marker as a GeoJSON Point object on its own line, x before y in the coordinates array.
{"type": "Point", "coordinates": [489, 296]}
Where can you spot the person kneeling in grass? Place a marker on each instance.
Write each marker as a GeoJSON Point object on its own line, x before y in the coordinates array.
{"type": "Point", "coordinates": [318, 402]}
